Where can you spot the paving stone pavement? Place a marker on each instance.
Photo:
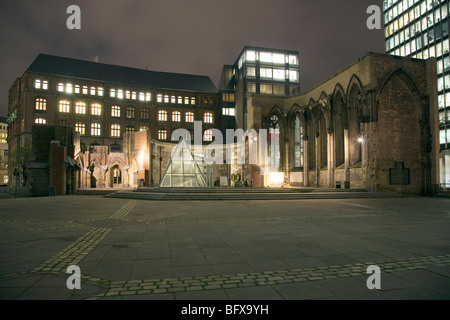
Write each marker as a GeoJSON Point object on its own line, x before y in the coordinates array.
{"type": "Point", "coordinates": [208, 250]}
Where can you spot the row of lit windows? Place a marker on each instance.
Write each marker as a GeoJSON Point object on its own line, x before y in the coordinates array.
{"type": "Point", "coordinates": [160, 98]}
{"type": "Point", "coordinates": [228, 97]}
{"type": "Point", "coordinates": [266, 88]}
{"type": "Point", "coordinates": [276, 74]}
{"type": "Point", "coordinates": [207, 135]}
{"type": "Point", "coordinates": [411, 47]}
{"type": "Point", "coordinates": [70, 88]}
{"type": "Point", "coordinates": [400, 6]}
{"type": "Point", "coordinates": [189, 116]}
{"type": "Point", "coordinates": [95, 91]}
{"type": "Point", "coordinates": [228, 112]}
{"type": "Point", "coordinates": [41, 84]}
{"type": "Point", "coordinates": [96, 110]}
{"type": "Point", "coordinates": [422, 40]}
{"type": "Point", "coordinates": [96, 129]}
{"type": "Point", "coordinates": [130, 95]}
{"type": "Point", "coordinates": [268, 57]}
{"type": "Point", "coordinates": [123, 94]}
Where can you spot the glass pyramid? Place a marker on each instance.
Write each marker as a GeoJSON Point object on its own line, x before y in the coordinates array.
{"type": "Point", "coordinates": [187, 170]}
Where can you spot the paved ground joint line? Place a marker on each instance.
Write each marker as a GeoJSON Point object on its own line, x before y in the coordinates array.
{"type": "Point", "coordinates": [214, 282]}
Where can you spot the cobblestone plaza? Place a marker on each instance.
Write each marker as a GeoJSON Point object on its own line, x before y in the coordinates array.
{"type": "Point", "coordinates": [224, 250]}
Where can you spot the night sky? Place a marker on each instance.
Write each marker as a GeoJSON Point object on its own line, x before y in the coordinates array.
{"type": "Point", "coordinates": [186, 36]}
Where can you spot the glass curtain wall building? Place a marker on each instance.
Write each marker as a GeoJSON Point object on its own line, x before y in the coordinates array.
{"type": "Point", "coordinates": [419, 29]}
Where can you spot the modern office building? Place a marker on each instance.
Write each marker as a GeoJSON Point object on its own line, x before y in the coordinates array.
{"type": "Point", "coordinates": [419, 29]}
{"type": "Point", "coordinates": [258, 70]}
{"type": "Point", "coordinates": [4, 177]}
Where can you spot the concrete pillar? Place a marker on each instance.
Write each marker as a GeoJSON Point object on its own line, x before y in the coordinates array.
{"type": "Point", "coordinates": [330, 162]}
{"type": "Point", "coordinates": [305, 162]}
{"type": "Point", "coordinates": [347, 155]}
{"type": "Point", "coordinates": [317, 160]}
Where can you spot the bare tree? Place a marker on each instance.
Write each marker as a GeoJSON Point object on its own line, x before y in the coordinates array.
{"type": "Point", "coordinates": [19, 159]}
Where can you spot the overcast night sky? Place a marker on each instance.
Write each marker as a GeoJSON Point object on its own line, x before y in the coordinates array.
{"type": "Point", "coordinates": [186, 36]}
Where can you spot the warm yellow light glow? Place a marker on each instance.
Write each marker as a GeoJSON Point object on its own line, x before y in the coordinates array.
{"type": "Point", "coordinates": [276, 179]}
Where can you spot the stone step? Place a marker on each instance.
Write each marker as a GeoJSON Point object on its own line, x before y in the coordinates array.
{"type": "Point", "coordinates": [190, 196]}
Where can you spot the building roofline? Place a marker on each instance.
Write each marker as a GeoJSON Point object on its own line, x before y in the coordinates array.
{"type": "Point", "coordinates": [111, 73]}
{"type": "Point", "coordinates": [266, 49]}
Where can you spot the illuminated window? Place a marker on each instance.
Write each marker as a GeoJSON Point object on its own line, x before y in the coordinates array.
{"type": "Point", "coordinates": [130, 113]}
{"type": "Point", "coordinates": [186, 100]}
{"type": "Point", "coordinates": [77, 89]}
{"type": "Point", "coordinates": [69, 88]}
{"type": "Point", "coordinates": [176, 116]}
{"type": "Point", "coordinates": [64, 106]}
{"type": "Point", "coordinates": [208, 117]}
{"type": "Point", "coordinates": [127, 94]}
{"type": "Point", "coordinates": [251, 87]}
{"type": "Point", "coordinates": [115, 111]}
{"type": "Point", "coordinates": [189, 117]}
{"type": "Point", "coordinates": [279, 58]}
{"type": "Point", "coordinates": [96, 109]}
{"type": "Point", "coordinates": [250, 55]}
{"type": "Point", "coordinates": [166, 99]}
{"type": "Point", "coordinates": [162, 134]}
{"type": "Point", "coordinates": [141, 96]}
{"type": "Point", "coordinates": [37, 84]}
{"type": "Point", "coordinates": [173, 99]}
{"type": "Point", "coordinates": [133, 95]}
{"type": "Point", "coordinates": [61, 87]}
{"type": "Point", "coordinates": [144, 128]}
{"type": "Point", "coordinates": [120, 94]}
{"type": "Point", "coordinates": [93, 91]}
{"type": "Point", "coordinates": [266, 89]}
{"type": "Point", "coordinates": [144, 114]}
{"type": "Point", "coordinates": [45, 85]}
{"type": "Point", "coordinates": [228, 97]}
{"type": "Point", "coordinates": [115, 130]}
{"type": "Point", "coordinates": [96, 129]}
{"type": "Point", "coordinates": [208, 136]}
{"type": "Point", "coordinates": [80, 108]}
{"type": "Point", "coordinates": [193, 102]}
{"type": "Point", "coordinates": [293, 75]}
{"type": "Point", "coordinates": [162, 115]}
{"type": "Point", "coordinates": [279, 90]}
{"type": "Point", "coordinates": [279, 74]}
{"type": "Point", "coordinates": [159, 98]}
{"type": "Point", "coordinates": [112, 93]}
{"type": "Point", "coordinates": [130, 129]}
{"type": "Point", "coordinates": [251, 72]}
{"type": "Point", "coordinates": [85, 90]}
{"type": "Point", "coordinates": [81, 128]}
{"type": "Point", "coordinates": [41, 104]}
{"type": "Point", "coordinates": [228, 112]}
{"type": "Point", "coordinates": [266, 73]}
{"type": "Point", "coordinates": [180, 100]}
{"type": "Point", "coordinates": [265, 57]}
{"type": "Point", "coordinates": [40, 121]}
{"type": "Point", "coordinates": [100, 91]}
{"type": "Point", "coordinates": [293, 59]}
{"type": "Point", "coordinates": [148, 96]}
